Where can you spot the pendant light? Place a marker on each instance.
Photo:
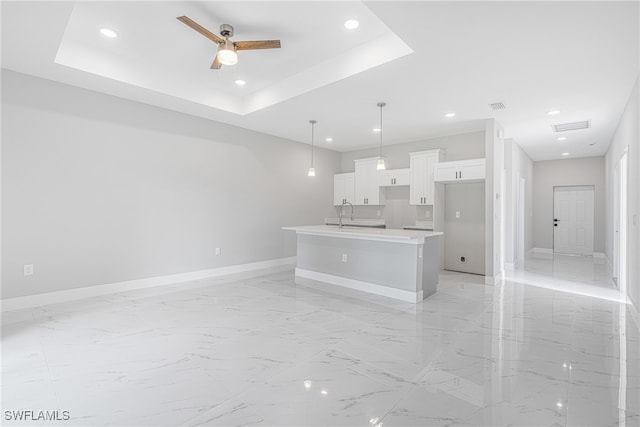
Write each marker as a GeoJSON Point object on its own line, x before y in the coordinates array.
{"type": "Point", "coordinates": [381, 166]}
{"type": "Point", "coordinates": [312, 170]}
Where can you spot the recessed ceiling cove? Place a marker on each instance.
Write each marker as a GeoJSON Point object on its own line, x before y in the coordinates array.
{"type": "Point", "coordinates": [155, 51]}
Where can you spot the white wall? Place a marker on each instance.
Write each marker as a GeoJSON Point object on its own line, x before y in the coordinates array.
{"type": "Point", "coordinates": [518, 165]}
{"type": "Point", "coordinates": [546, 175]}
{"type": "Point", "coordinates": [97, 189]}
{"type": "Point", "coordinates": [627, 136]}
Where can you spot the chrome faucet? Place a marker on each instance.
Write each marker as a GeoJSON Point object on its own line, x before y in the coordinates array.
{"type": "Point", "coordinates": [340, 214]}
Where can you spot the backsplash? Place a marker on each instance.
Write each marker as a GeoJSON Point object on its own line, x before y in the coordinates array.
{"type": "Point", "coordinates": [397, 212]}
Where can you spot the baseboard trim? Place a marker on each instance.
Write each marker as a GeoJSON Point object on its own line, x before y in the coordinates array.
{"type": "Point", "coordinates": [609, 265]}
{"type": "Point", "coordinates": [494, 280]}
{"type": "Point", "coordinates": [542, 250]}
{"type": "Point", "coordinates": [29, 301]}
{"type": "Point", "coordinates": [359, 285]}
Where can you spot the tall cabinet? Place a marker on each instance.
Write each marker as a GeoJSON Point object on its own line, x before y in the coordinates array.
{"type": "Point", "coordinates": [367, 189]}
{"type": "Point", "coordinates": [421, 183]}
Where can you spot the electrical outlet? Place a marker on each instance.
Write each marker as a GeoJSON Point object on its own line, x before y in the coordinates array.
{"type": "Point", "coordinates": [344, 257]}
{"type": "Point", "coordinates": [463, 259]}
{"type": "Point", "coordinates": [28, 270]}
{"type": "Point", "coordinates": [218, 251]}
{"type": "Point", "coordinates": [457, 214]}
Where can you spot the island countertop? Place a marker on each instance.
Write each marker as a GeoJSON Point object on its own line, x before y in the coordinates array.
{"type": "Point", "coordinates": [380, 234]}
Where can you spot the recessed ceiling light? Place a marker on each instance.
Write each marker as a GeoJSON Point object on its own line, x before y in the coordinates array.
{"type": "Point", "coordinates": [565, 154]}
{"type": "Point", "coordinates": [450, 115]}
{"type": "Point", "coordinates": [553, 112]}
{"type": "Point", "coordinates": [562, 138]}
{"type": "Point", "coordinates": [329, 139]}
{"type": "Point", "coordinates": [324, 392]}
{"type": "Point", "coordinates": [107, 32]}
{"type": "Point", "coordinates": [376, 129]}
{"type": "Point", "coordinates": [559, 404]}
{"type": "Point", "coordinates": [351, 24]}
{"type": "Point", "coordinates": [240, 82]}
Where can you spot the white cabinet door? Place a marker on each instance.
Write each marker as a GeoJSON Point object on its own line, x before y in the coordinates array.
{"type": "Point", "coordinates": [421, 189]}
{"type": "Point", "coordinates": [460, 171]}
{"type": "Point", "coordinates": [367, 182]}
{"type": "Point", "coordinates": [474, 170]}
{"type": "Point", "coordinates": [394, 177]}
{"type": "Point", "coordinates": [429, 190]}
{"type": "Point", "coordinates": [401, 177]}
{"type": "Point", "coordinates": [417, 179]}
{"type": "Point", "coordinates": [343, 188]}
{"type": "Point", "coordinates": [446, 171]}
{"type": "Point", "coordinates": [386, 178]}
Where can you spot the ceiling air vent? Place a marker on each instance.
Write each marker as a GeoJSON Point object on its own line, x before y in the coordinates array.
{"type": "Point", "coordinates": [586, 124]}
{"type": "Point", "coordinates": [497, 106]}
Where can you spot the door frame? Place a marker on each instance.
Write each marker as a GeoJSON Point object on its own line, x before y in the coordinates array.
{"type": "Point", "coordinates": [620, 217]}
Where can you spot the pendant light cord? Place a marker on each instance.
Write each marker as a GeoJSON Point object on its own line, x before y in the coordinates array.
{"type": "Point", "coordinates": [381, 104]}
{"type": "Point", "coordinates": [313, 124]}
{"type": "Point", "coordinates": [380, 130]}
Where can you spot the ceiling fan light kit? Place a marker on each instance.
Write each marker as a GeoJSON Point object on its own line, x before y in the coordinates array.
{"type": "Point", "coordinates": [227, 49]}
{"type": "Point", "coordinates": [227, 54]}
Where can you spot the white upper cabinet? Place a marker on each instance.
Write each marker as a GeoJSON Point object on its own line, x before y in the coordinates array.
{"type": "Point", "coordinates": [421, 183]}
{"type": "Point", "coordinates": [460, 171]}
{"type": "Point", "coordinates": [343, 188]}
{"type": "Point", "coordinates": [367, 189]}
{"type": "Point", "coordinates": [394, 177]}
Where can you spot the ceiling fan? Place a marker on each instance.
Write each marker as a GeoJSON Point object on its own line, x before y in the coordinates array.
{"type": "Point", "coordinates": [226, 54]}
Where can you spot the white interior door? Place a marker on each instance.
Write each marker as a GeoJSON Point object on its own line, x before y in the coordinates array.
{"type": "Point", "coordinates": [573, 220]}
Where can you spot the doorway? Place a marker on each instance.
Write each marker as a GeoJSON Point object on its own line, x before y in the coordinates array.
{"type": "Point", "coordinates": [573, 218]}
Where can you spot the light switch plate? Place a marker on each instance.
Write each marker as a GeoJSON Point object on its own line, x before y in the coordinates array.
{"type": "Point", "coordinates": [457, 214]}
{"type": "Point", "coordinates": [28, 269]}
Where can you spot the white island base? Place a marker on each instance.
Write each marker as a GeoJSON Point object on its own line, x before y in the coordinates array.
{"type": "Point", "coordinates": [401, 264]}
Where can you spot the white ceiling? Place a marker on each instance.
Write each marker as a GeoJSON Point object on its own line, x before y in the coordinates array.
{"type": "Point", "coordinates": [423, 58]}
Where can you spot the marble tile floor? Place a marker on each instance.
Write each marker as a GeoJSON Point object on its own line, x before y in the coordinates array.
{"type": "Point", "coordinates": [260, 349]}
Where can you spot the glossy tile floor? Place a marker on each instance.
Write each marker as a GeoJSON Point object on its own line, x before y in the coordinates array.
{"type": "Point", "coordinates": [260, 349]}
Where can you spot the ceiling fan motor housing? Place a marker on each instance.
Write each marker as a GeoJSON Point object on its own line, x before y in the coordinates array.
{"type": "Point", "coordinates": [226, 30]}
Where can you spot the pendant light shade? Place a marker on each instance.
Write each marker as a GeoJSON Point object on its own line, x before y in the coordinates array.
{"type": "Point", "coordinates": [381, 166]}
{"type": "Point", "coordinates": [312, 170]}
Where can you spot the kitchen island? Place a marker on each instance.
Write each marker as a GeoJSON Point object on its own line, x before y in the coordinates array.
{"type": "Point", "coordinates": [401, 264]}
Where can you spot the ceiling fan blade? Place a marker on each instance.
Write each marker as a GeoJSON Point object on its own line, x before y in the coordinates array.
{"type": "Point", "coordinates": [216, 64]}
{"type": "Point", "coordinates": [260, 44]}
{"type": "Point", "coordinates": [208, 34]}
